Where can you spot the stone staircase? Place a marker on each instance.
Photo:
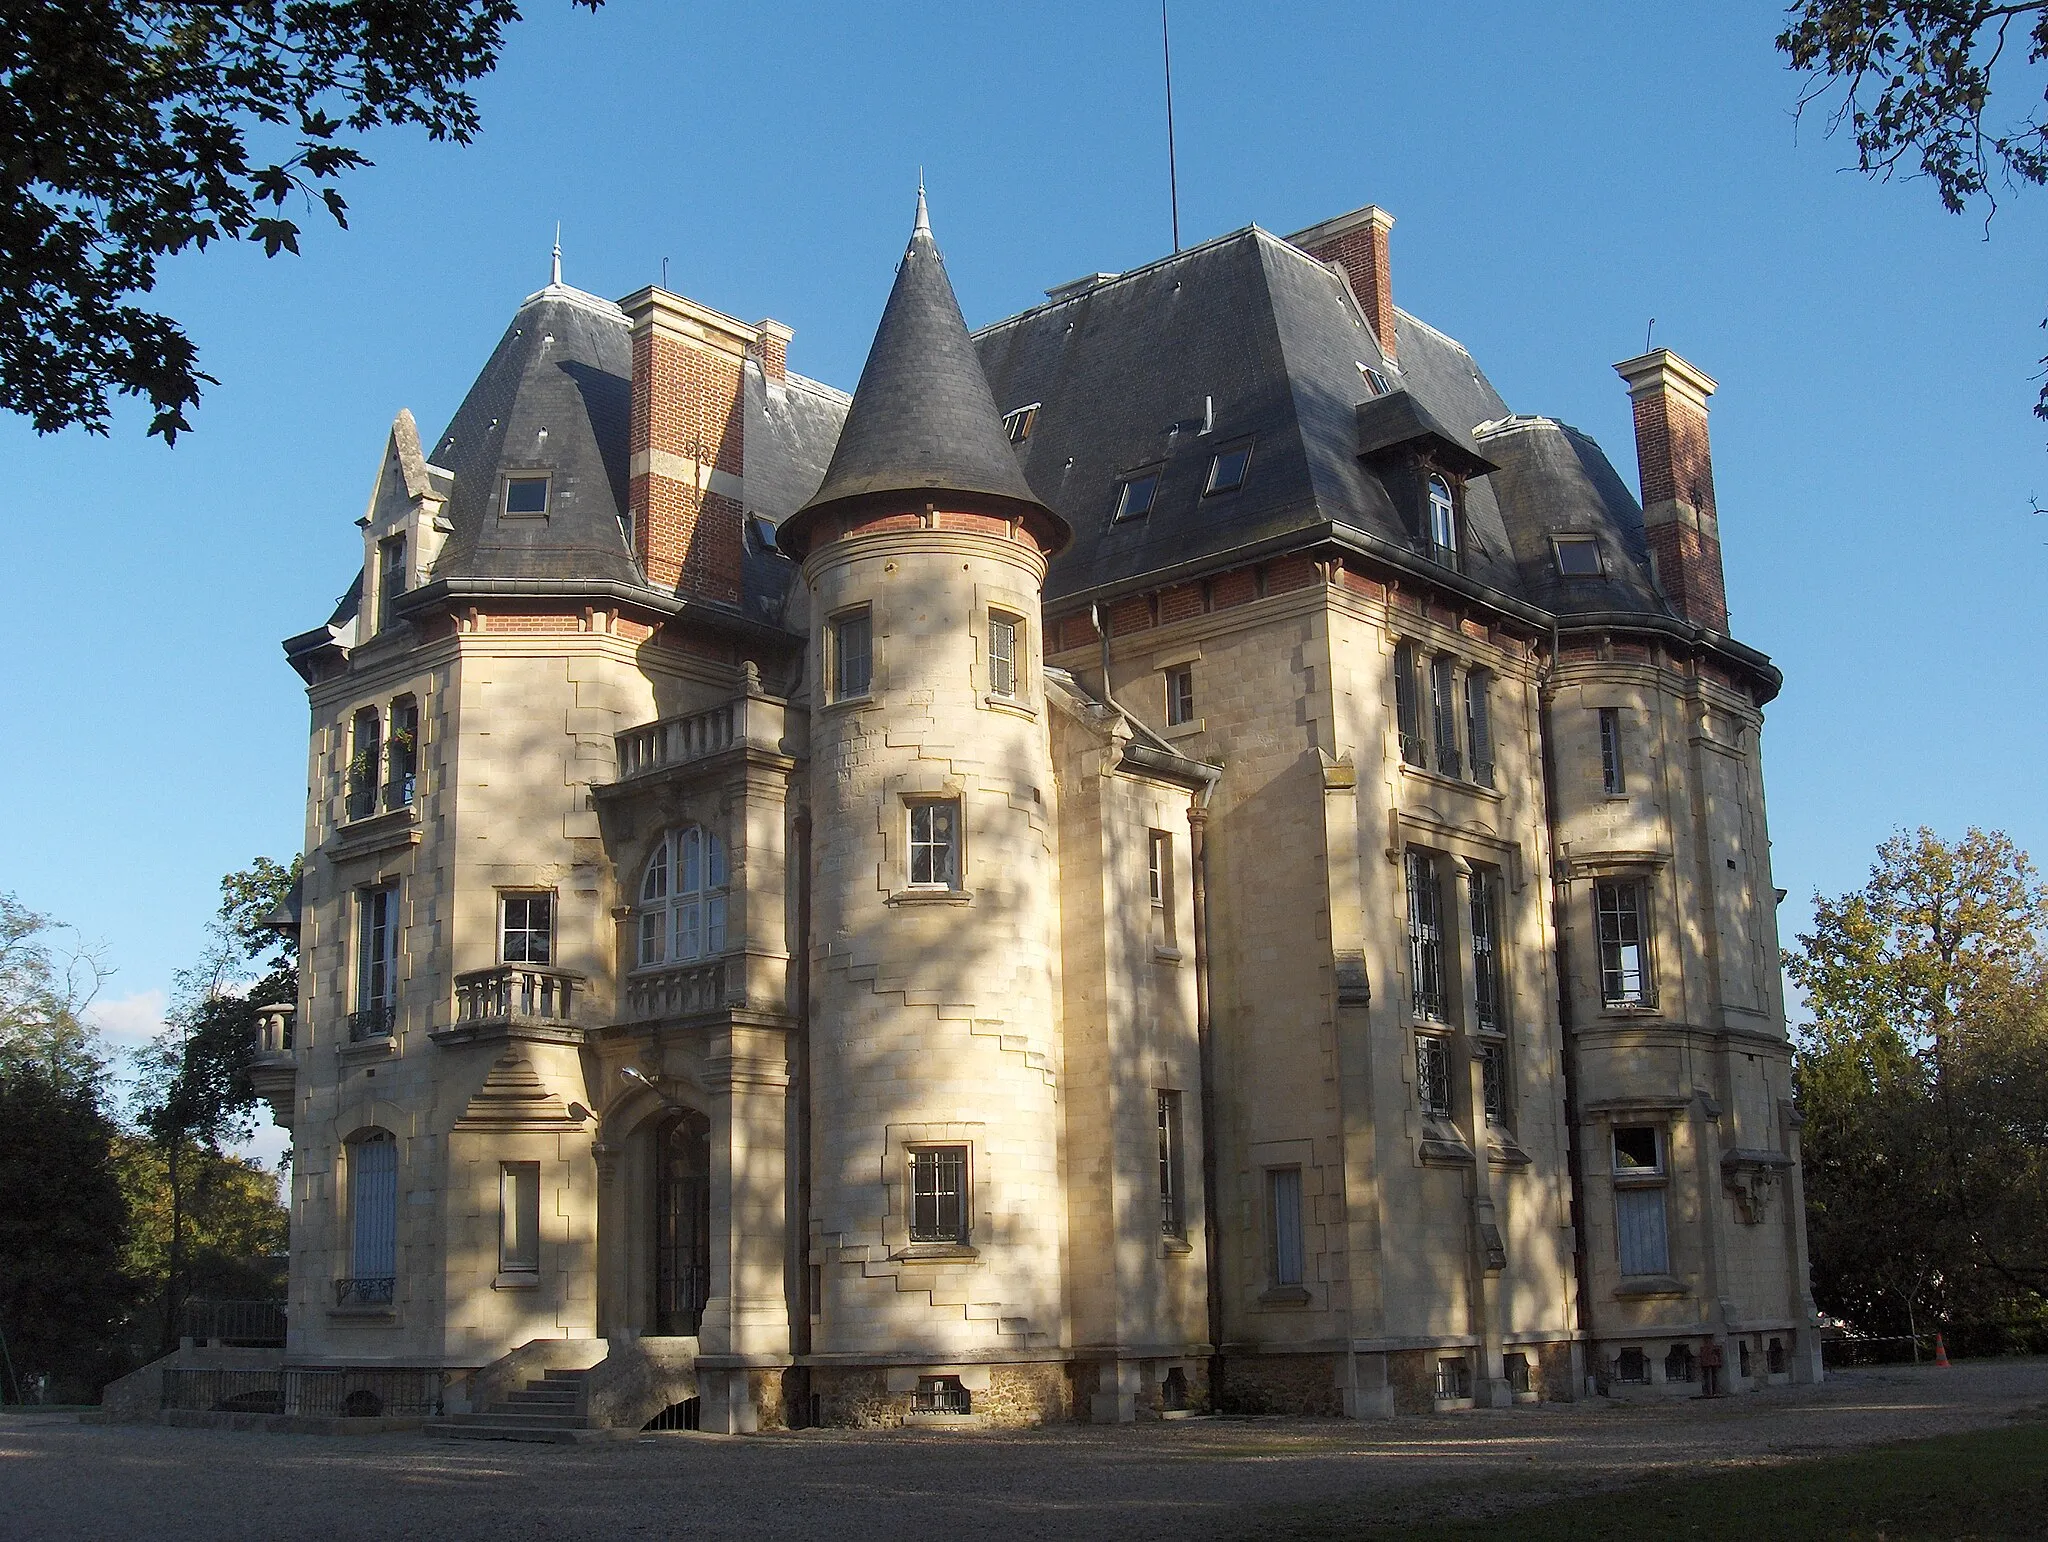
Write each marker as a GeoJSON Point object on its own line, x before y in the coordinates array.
{"type": "Point", "coordinates": [548, 1408]}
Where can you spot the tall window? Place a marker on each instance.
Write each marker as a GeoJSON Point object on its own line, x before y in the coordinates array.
{"type": "Point", "coordinates": [391, 579]}
{"type": "Point", "coordinates": [1407, 705]}
{"type": "Point", "coordinates": [518, 1217]}
{"type": "Point", "coordinates": [402, 758]}
{"type": "Point", "coordinates": [366, 748]}
{"type": "Point", "coordinates": [1173, 1221]}
{"type": "Point", "coordinates": [1486, 948]}
{"type": "Point", "coordinates": [1493, 1074]}
{"type": "Point", "coordinates": [938, 1194]}
{"type": "Point", "coordinates": [1443, 522]}
{"type": "Point", "coordinates": [1443, 711]}
{"type": "Point", "coordinates": [1639, 1182]}
{"type": "Point", "coordinates": [528, 931]}
{"type": "Point", "coordinates": [1613, 775]}
{"type": "Point", "coordinates": [1180, 695]}
{"type": "Point", "coordinates": [376, 964]}
{"type": "Point", "coordinates": [373, 1219]}
{"type": "Point", "coordinates": [1002, 655]}
{"type": "Point", "coordinates": [1433, 1075]}
{"type": "Point", "coordinates": [935, 844]}
{"type": "Point", "coordinates": [853, 657]}
{"type": "Point", "coordinates": [1624, 945]}
{"type": "Point", "coordinates": [1425, 937]}
{"type": "Point", "coordinates": [1283, 1225]}
{"type": "Point", "coordinates": [1159, 867]}
{"type": "Point", "coordinates": [682, 898]}
{"type": "Point", "coordinates": [1479, 725]}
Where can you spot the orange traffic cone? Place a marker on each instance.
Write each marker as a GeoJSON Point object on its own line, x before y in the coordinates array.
{"type": "Point", "coordinates": [1941, 1354]}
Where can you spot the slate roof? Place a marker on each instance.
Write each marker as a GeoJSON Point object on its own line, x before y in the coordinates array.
{"type": "Point", "coordinates": [922, 416]}
{"type": "Point", "coordinates": [1268, 346]}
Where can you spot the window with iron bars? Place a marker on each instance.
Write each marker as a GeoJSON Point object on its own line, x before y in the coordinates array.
{"type": "Point", "coordinates": [1613, 774]}
{"type": "Point", "coordinates": [1002, 656]}
{"type": "Point", "coordinates": [1486, 989]}
{"type": "Point", "coordinates": [941, 1395]}
{"type": "Point", "coordinates": [1172, 1215]}
{"type": "Point", "coordinates": [938, 1194]}
{"type": "Point", "coordinates": [1453, 1379]}
{"type": "Point", "coordinates": [1433, 1075]}
{"type": "Point", "coordinates": [1425, 937]}
{"type": "Point", "coordinates": [1493, 1071]}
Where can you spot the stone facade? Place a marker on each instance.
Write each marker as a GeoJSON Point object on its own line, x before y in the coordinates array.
{"type": "Point", "coordinates": [902, 985]}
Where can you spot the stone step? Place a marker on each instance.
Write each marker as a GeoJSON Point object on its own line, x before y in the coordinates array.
{"type": "Point", "coordinates": [543, 1397]}
{"type": "Point", "coordinates": [520, 1418]}
{"type": "Point", "coordinates": [557, 1376]}
{"type": "Point", "coordinates": [488, 1430]}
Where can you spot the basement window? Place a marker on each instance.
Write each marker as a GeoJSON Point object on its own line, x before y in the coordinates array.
{"type": "Point", "coordinates": [1017, 424]}
{"type": "Point", "coordinates": [1226, 471]}
{"type": "Point", "coordinates": [526, 495]}
{"type": "Point", "coordinates": [1136, 495]}
{"type": "Point", "coordinates": [1578, 556]}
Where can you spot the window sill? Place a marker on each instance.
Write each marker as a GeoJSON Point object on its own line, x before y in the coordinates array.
{"type": "Point", "coordinates": [1014, 705]}
{"type": "Point", "coordinates": [852, 703]}
{"type": "Point", "coordinates": [1437, 1151]}
{"type": "Point", "coordinates": [387, 1314]}
{"type": "Point", "coordinates": [1175, 1247]}
{"type": "Point", "coordinates": [1629, 1009]}
{"type": "Point", "coordinates": [517, 1279]}
{"type": "Point", "coordinates": [1452, 783]}
{"type": "Point", "coordinates": [1503, 1151]}
{"type": "Point", "coordinates": [937, 1253]}
{"type": "Point", "coordinates": [1163, 955]}
{"type": "Point", "coordinates": [930, 897]}
{"type": "Point", "coordinates": [1291, 1296]}
{"type": "Point", "coordinates": [1643, 1287]}
{"type": "Point", "coordinates": [1187, 730]}
{"type": "Point", "coordinates": [361, 1051]}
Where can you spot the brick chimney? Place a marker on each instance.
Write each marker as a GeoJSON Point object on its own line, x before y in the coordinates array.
{"type": "Point", "coordinates": [687, 444]}
{"type": "Point", "coordinates": [1676, 465]}
{"type": "Point", "coordinates": [773, 350]}
{"type": "Point", "coordinates": [1357, 243]}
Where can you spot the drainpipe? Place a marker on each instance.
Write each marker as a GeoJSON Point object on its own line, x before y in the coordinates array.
{"type": "Point", "coordinates": [1546, 693]}
{"type": "Point", "coordinates": [800, 1068]}
{"type": "Point", "coordinates": [1205, 1040]}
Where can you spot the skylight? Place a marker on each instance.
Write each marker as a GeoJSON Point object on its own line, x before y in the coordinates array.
{"type": "Point", "coordinates": [1135, 501]}
{"type": "Point", "coordinates": [1374, 380]}
{"type": "Point", "coordinates": [1578, 556]}
{"type": "Point", "coordinates": [1017, 424]}
{"type": "Point", "coordinates": [526, 495]}
{"type": "Point", "coordinates": [1226, 471]}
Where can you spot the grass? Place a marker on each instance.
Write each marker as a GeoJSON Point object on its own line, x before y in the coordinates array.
{"type": "Point", "coordinates": [1984, 1485]}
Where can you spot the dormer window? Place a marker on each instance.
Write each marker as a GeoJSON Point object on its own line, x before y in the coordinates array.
{"type": "Point", "coordinates": [391, 579]}
{"type": "Point", "coordinates": [526, 495]}
{"type": "Point", "coordinates": [1017, 424]}
{"type": "Point", "coordinates": [1443, 522]}
{"type": "Point", "coordinates": [1375, 382]}
{"type": "Point", "coordinates": [1226, 471]}
{"type": "Point", "coordinates": [1578, 556]}
{"type": "Point", "coordinates": [1136, 495]}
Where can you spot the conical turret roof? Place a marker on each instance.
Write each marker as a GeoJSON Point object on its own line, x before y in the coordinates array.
{"type": "Point", "coordinates": [923, 418]}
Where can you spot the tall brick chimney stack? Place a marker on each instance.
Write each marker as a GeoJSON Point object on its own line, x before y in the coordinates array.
{"type": "Point", "coordinates": [773, 349]}
{"type": "Point", "coordinates": [687, 444]}
{"type": "Point", "coordinates": [1357, 243]}
{"type": "Point", "coordinates": [1676, 465]}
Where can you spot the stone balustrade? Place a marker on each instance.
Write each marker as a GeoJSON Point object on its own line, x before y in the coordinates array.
{"type": "Point", "coordinates": [516, 993]}
{"type": "Point", "coordinates": [756, 721]}
{"type": "Point", "coordinates": [679, 990]}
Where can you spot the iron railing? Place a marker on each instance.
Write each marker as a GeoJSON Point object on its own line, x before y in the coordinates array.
{"type": "Point", "coordinates": [366, 1290]}
{"type": "Point", "coordinates": [257, 1324]}
{"type": "Point", "coordinates": [340, 1392]}
{"type": "Point", "coordinates": [372, 1022]}
{"type": "Point", "coordinates": [516, 992]}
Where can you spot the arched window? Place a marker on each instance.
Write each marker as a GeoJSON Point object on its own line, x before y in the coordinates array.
{"type": "Point", "coordinates": [682, 898]}
{"type": "Point", "coordinates": [373, 1219]}
{"type": "Point", "coordinates": [1443, 521]}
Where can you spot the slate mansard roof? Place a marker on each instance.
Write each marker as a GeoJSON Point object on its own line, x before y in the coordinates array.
{"type": "Point", "coordinates": [1245, 340]}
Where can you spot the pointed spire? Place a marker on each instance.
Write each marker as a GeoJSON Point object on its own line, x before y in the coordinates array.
{"type": "Point", "coordinates": [555, 278]}
{"type": "Point", "coordinates": [923, 419]}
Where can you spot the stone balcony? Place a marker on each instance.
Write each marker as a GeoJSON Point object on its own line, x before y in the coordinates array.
{"type": "Point", "coordinates": [750, 721]}
{"type": "Point", "coordinates": [678, 990]}
{"type": "Point", "coordinates": [274, 1067]}
{"type": "Point", "coordinates": [515, 1001]}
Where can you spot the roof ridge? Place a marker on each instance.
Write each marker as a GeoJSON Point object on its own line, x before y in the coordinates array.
{"type": "Point", "coordinates": [1110, 283]}
{"type": "Point", "coordinates": [583, 299]}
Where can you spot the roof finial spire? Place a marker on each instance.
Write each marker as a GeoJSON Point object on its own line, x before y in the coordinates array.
{"type": "Point", "coordinates": [924, 220]}
{"type": "Point", "coordinates": [556, 276]}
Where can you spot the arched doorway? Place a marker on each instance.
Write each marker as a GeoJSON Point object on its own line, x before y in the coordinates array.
{"type": "Point", "coordinates": [682, 1223]}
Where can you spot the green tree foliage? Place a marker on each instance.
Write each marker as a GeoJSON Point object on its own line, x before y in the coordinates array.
{"type": "Point", "coordinates": [131, 130]}
{"type": "Point", "coordinates": [63, 1225]}
{"type": "Point", "coordinates": [47, 980]}
{"type": "Point", "coordinates": [1912, 82]}
{"type": "Point", "coordinates": [1923, 1078]}
{"type": "Point", "coordinates": [234, 1230]}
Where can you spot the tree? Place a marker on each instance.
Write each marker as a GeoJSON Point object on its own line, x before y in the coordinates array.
{"type": "Point", "coordinates": [221, 1235]}
{"type": "Point", "coordinates": [131, 130]}
{"type": "Point", "coordinates": [1923, 1077]}
{"type": "Point", "coordinates": [62, 1230]}
{"type": "Point", "coordinates": [1914, 80]}
{"type": "Point", "coordinates": [48, 979]}
{"type": "Point", "coordinates": [196, 1092]}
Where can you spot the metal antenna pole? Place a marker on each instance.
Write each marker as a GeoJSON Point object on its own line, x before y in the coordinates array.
{"type": "Point", "coordinates": [1172, 170]}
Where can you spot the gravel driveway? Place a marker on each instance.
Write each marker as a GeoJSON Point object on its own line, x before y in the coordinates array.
{"type": "Point", "coordinates": [1213, 1478]}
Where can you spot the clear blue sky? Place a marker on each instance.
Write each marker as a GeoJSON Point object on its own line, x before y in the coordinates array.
{"type": "Point", "coordinates": [1560, 173]}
